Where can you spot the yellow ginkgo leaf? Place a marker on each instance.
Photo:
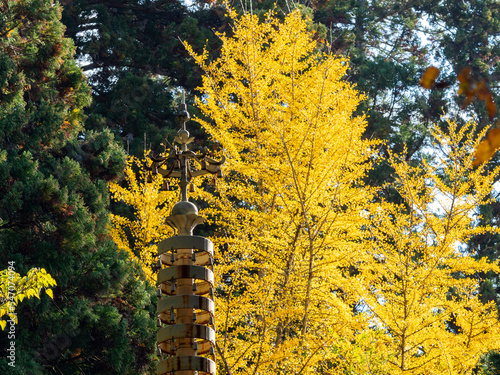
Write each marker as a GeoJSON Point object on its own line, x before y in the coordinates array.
{"type": "Point", "coordinates": [151, 204]}
{"type": "Point", "coordinates": [26, 287]}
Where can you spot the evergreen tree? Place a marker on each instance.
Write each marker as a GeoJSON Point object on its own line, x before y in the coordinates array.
{"type": "Point", "coordinates": [133, 54]}
{"type": "Point", "coordinates": [53, 209]}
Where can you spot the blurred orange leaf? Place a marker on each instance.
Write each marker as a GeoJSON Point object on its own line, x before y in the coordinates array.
{"type": "Point", "coordinates": [491, 107]}
{"type": "Point", "coordinates": [494, 138]}
{"type": "Point", "coordinates": [468, 99]}
{"type": "Point", "coordinates": [466, 87]}
{"type": "Point", "coordinates": [483, 153]}
{"type": "Point", "coordinates": [429, 77]}
{"type": "Point", "coordinates": [465, 75]}
{"type": "Point", "coordinates": [481, 90]}
{"type": "Point", "coordinates": [487, 147]}
{"type": "Point", "coordinates": [472, 89]}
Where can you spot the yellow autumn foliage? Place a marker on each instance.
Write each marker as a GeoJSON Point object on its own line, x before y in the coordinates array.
{"type": "Point", "coordinates": [14, 288]}
{"type": "Point", "coordinates": [418, 282]}
{"type": "Point", "coordinates": [315, 272]}
{"type": "Point", "coordinates": [291, 208]}
{"type": "Point", "coordinates": [314, 276]}
{"type": "Point", "coordinates": [139, 235]}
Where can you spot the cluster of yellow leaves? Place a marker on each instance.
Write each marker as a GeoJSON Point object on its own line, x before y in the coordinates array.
{"type": "Point", "coordinates": [150, 206]}
{"type": "Point", "coordinates": [14, 289]}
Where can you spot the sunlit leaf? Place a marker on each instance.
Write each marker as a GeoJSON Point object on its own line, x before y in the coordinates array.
{"type": "Point", "coordinates": [429, 77]}
{"type": "Point", "coordinates": [49, 292]}
{"type": "Point", "coordinates": [26, 287]}
{"type": "Point", "coordinates": [3, 323]}
{"type": "Point", "coordinates": [141, 197]}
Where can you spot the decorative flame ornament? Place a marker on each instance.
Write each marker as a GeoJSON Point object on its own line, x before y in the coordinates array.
{"type": "Point", "coordinates": [186, 338]}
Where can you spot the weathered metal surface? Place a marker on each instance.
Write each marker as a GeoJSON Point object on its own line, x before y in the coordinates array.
{"type": "Point", "coordinates": [202, 317]}
{"type": "Point", "coordinates": [184, 223]}
{"type": "Point", "coordinates": [204, 366]}
{"type": "Point", "coordinates": [186, 242]}
{"type": "Point", "coordinates": [203, 347]}
{"type": "Point", "coordinates": [202, 258]}
{"type": "Point", "coordinates": [195, 331]}
{"type": "Point", "coordinates": [202, 289]}
{"type": "Point", "coordinates": [185, 301]}
{"type": "Point", "coordinates": [212, 166]}
{"type": "Point", "coordinates": [166, 275]}
{"type": "Point", "coordinates": [204, 245]}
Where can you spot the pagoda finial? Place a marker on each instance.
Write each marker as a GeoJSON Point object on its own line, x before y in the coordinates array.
{"type": "Point", "coordinates": [178, 163]}
{"type": "Point", "coordinates": [186, 310]}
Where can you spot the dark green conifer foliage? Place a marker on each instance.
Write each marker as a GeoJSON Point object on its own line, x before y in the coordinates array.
{"type": "Point", "coordinates": [134, 57]}
{"type": "Point", "coordinates": [53, 209]}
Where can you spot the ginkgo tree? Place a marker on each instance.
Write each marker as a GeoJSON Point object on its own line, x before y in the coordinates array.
{"type": "Point", "coordinates": [314, 276]}
{"type": "Point", "coordinates": [418, 281]}
{"type": "Point", "coordinates": [290, 210]}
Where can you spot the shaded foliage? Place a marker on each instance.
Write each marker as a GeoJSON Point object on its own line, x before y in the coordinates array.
{"type": "Point", "coordinates": [54, 209]}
